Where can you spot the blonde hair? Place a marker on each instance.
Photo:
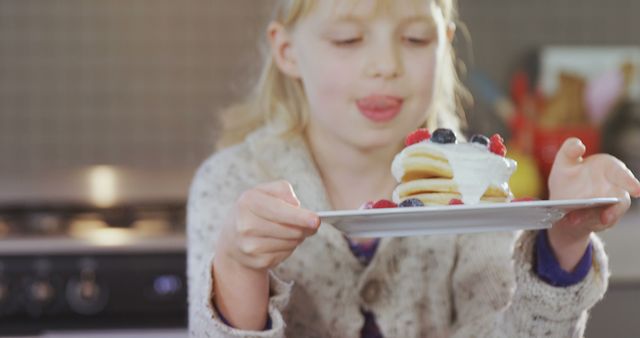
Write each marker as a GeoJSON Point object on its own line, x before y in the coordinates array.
{"type": "Point", "coordinates": [279, 98]}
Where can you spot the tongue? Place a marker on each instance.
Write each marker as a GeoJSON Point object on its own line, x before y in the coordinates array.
{"type": "Point", "coordinates": [379, 102]}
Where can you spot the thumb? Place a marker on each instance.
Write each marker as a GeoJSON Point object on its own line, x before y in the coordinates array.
{"type": "Point", "coordinates": [280, 189]}
{"type": "Point", "coordinates": [570, 153]}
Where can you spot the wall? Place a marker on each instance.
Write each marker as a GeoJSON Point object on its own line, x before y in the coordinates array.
{"type": "Point", "coordinates": [132, 83]}
{"type": "Point", "coordinates": [139, 82]}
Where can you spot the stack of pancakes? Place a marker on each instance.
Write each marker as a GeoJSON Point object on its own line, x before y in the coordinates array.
{"type": "Point", "coordinates": [423, 171]}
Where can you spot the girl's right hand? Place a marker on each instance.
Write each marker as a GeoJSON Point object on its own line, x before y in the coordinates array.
{"type": "Point", "coordinates": [265, 226]}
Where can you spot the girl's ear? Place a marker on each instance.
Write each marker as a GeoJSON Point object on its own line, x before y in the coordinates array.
{"type": "Point", "coordinates": [281, 49]}
{"type": "Point", "coordinates": [451, 31]}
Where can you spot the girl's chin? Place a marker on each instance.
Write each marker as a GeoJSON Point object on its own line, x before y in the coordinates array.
{"type": "Point", "coordinates": [376, 140]}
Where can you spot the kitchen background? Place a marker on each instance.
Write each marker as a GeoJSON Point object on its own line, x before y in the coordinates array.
{"type": "Point", "coordinates": [131, 90]}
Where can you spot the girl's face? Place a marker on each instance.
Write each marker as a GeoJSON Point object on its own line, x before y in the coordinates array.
{"type": "Point", "coordinates": [368, 74]}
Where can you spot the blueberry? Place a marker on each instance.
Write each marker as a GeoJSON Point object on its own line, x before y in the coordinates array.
{"type": "Point", "coordinates": [443, 135]}
{"type": "Point", "coordinates": [480, 139]}
{"type": "Point", "coordinates": [411, 202]}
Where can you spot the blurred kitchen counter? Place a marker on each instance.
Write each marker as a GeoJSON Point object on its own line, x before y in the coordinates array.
{"type": "Point", "coordinates": [151, 333]}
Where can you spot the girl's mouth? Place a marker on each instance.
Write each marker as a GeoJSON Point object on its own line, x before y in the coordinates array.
{"type": "Point", "coordinates": [380, 108]}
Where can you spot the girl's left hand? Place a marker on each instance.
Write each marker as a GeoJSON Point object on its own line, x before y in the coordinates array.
{"type": "Point", "coordinates": [601, 175]}
{"type": "Point", "coordinates": [575, 177]}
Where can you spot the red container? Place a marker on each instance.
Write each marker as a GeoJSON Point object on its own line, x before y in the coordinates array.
{"type": "Point", "coordinates": [547, 142]}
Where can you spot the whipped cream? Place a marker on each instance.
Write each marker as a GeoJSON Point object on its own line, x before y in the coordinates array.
{"type": "Point", "coordinates": [474, 167]}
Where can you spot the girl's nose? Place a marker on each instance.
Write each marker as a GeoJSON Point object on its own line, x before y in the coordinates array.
{"type": "Point", "coordinates": [384, 61]}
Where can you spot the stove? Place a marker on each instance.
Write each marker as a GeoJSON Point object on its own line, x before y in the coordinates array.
{"type": "Point", "coordinates": [96, 259]}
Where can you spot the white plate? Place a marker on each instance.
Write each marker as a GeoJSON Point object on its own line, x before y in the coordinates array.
{"type": "Point", "coordinates": [398, 222]}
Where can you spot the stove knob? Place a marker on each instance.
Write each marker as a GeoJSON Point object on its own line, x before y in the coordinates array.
{"type": "Point", "coordinates": [5, 302]}
{"type": "Point", "coordinates": [86, 295]}
{"type": "Point", "coordinates": [9, 302]}
{"type": "Point", "coordinates": [41, 295]}
{"type": "Point", "coordinates": [4, 291]}
{"type": "Point", "coordinates": [40, 292]}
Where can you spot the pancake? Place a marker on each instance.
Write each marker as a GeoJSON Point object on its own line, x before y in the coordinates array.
{"type": "Point", "coordinates": [435, 199]}
{"type": "Point", "coordinates": [437, 172]}
{"type": "Point", "coordinates": [442, 185]}
{"type": "Point", "coordinates": [442, 191]}
{"type": "Point", "coordinates": [424, 167]}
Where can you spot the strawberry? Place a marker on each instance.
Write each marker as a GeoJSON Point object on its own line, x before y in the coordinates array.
{"type": "Point", "coordinates": [497, 146]}
{"type": "Point", "coordinates": [456, 201]}
{"type": "Point", "coordinates": [418, 135]}
{"type": "Point", "coordinates": [383, 204]}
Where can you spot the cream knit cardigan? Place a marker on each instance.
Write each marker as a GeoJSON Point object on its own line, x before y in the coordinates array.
{"type": "Point", "coordinates": [479, 285]}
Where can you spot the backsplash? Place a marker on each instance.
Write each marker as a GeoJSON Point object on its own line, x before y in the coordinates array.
{"type": "Point", "coordinates": [138, 83]}
{"type": "Point", "coordinates": [132, 83]}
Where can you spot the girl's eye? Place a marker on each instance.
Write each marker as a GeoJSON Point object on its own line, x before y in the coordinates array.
{"type": "Point", "coordinates": [416, 41]}
{"type": "Point", "coordinates": [347, 42]}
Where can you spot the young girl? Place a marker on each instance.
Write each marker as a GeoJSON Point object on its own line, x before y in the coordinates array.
{"type": "Point", "coordinates": [346, 81]}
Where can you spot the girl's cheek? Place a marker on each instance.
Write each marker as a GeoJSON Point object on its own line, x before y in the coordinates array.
{"type": "Point", "coordinates": [422, 74]}
{"type": "Point", "coordinates": [334, 80]}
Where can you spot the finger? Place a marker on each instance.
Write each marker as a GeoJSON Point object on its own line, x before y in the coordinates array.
{"type": "Point", "coordinates": [586, 218]}
{"type": "Point", "coordinates": [254, 246]}
{"type": "Point", "coordinates": [269, 260]}
{"type": "Point", "coordinates": [276, 210]}
{"type": "Point", "coordinates": [570, 153]}
{"type": "Point", "coordinates": [612, 214]}
{"type": "Point", "coordinates": [281, 189]}
{"type": "Point", "coordinates": [623, 178]}
{"type": "Point", "coordinates": [253, 226]}
{"type": "Point", "coordinates": [632, 183]}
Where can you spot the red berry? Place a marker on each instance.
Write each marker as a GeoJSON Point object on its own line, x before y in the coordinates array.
{"type": "Point", "coordinates": [367, 205]}
{"type": "Point", "coordinates": [497, 146]}
{"type": "Point", "coordinates": [456, 201]}
{"type": "Point", "coordinates": [383, 204]}
{"type": "Point", "coordinates": [524, 199]}
{"type": "Point", "coordinates": [419, 135]}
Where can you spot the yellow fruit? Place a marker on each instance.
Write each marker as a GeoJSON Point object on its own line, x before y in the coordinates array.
{"type": "Point", "coordinates": [526, 181]}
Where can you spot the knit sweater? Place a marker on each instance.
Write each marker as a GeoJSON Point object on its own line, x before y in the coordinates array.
{"type": "Point", "coordinates": [471, 285]}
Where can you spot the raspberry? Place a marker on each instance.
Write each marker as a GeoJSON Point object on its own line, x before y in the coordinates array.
{"type": "Point", "coordinates": [497, 145]}
{"type": "Point", "coordinates": [418, 135]}
{"type": "Point", "coordinates": [455, 201]}
{"type": "Point", "coordinates": [383, 204]}
{"type": "Point", "coordinates": [411, 202]}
